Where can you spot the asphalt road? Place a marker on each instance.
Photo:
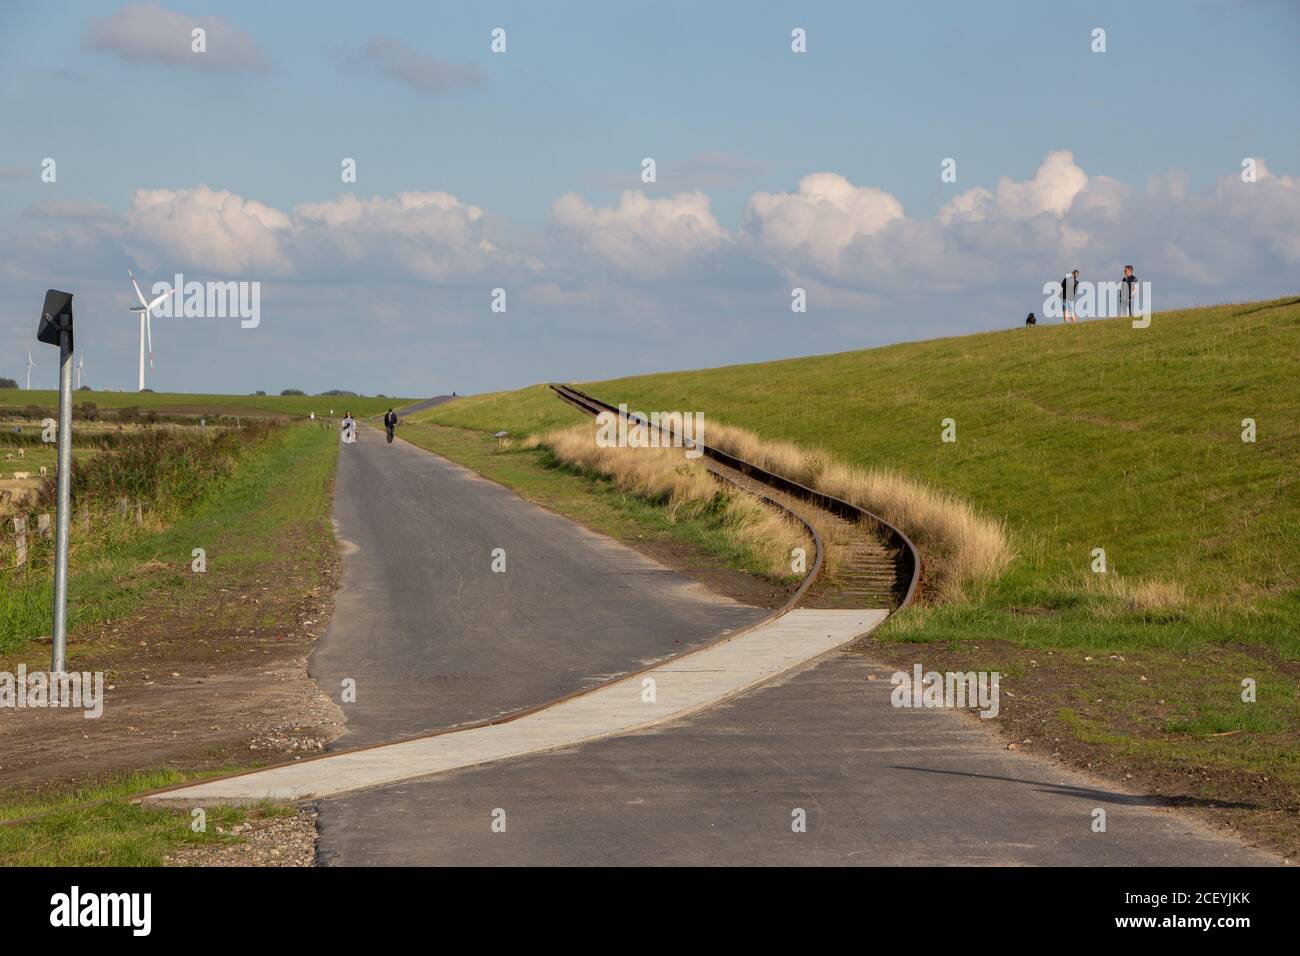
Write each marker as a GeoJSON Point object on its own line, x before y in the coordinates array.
{"type": "Point", "coordinates": [433, 637]}
{"type": "Point", "coordinates": [878, 786]}
{"type": "Point", "coordinates": [436, 638]}
{"type": "Point", "coordinates": [424, 405]}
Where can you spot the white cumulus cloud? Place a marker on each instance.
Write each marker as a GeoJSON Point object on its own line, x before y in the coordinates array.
{"type": "Point", "coordinates": [817, 222]}
{"type": "Point", "coordinates": [423, 235]}
{"type": "Point", "coordinates": [1052, 190]}
{"type": "Point", "coordinates": [643, 237]}
{"type": "Point", "coordinates": [208, 229]}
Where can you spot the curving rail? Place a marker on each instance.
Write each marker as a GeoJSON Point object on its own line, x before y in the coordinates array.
{"type": "Point", "coordinates": [908, 559]}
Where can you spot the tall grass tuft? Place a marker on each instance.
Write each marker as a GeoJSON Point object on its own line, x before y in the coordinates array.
{"type": "Point", "coordinates": [170, 468]}
{"type": "Point", "coordinates": [686, 489]}
{"type": "Point", "coordinates": [961, 550]}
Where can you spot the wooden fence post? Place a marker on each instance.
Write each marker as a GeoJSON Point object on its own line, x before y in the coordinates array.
{"type": "Point", "coordinates": [20, 540]}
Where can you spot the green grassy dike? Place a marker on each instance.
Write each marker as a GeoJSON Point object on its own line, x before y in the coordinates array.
{"type": "Point", "coordinates": [1090, 436]}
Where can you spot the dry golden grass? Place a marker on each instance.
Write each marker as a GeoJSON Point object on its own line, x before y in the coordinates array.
{"type": "Point", "coordinates": [687, 490]}
{"type": "Point", "coordinates": [960, 549]}
{"type": "Point", "coordinates": [1115, 595]}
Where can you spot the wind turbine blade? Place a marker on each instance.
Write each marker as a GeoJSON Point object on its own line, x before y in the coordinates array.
{"type": "Point", "coordinates": [138, 294]}
{"type": "Point", "coordinates": [156, 302]}
{"type": "Point", "coordinates": [148, 332]}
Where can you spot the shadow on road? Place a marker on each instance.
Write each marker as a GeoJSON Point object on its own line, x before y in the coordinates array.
{"type": "Point", "coordinates": [1103, 796]}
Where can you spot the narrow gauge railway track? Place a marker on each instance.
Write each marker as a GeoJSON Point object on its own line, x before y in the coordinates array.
{"type": "Point", "coordinates": [872, 563]}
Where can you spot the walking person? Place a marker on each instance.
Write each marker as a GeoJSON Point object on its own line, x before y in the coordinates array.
{"type": "Point", "coordinates": [1128, 291]}
{"type": "Point", "coordinates": [1069, 286]}
{"type": "Point", "coordinates": [390, 422]}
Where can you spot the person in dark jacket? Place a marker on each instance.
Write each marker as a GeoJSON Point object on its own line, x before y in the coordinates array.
{"type": "Point", "coordinates": [1069, 286]}
{"type": "Point", "coordinates": [390, 422]}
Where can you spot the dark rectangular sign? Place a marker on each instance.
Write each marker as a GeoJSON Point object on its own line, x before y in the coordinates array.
{"type": "Point", "coordinates": [56, 316]}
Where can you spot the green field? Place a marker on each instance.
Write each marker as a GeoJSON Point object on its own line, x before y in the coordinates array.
{"type": "Point", "coordinates": [180, 403]}
{"type": "Point", "coordinates": [1098, 435]}
{"type": "Point", "coordinates": [281, 485]}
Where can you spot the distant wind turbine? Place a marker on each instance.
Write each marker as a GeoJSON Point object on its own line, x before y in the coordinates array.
{"type": "Point", "coordinates": [146, 325]}
{"type": "Point", "coordinates": [30, 365]}
{"type": "Point", "coordinates": [80, 365]}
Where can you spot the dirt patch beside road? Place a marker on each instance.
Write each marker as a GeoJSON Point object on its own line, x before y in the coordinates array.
{"type": "Point", "coordinates": [287, 839]}
{"type": "Point", "coordinates": [218, 681]}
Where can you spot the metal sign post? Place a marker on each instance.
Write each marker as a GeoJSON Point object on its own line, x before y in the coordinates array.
{"type": "Point", "coordinates": [56, 329]}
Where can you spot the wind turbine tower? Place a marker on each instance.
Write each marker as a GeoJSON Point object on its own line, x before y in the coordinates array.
{"type": "Point", "coordinates": [146, 325]}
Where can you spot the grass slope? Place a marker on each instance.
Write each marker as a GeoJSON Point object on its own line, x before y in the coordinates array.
{"type": "Point", "coordinates": [1095, 436]}
{"type": "Point", "coordinates": [1098, 435]}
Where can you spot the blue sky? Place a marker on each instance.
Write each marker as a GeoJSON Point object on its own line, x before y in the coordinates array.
{"type": "Point", "coordinates": [395, 299]}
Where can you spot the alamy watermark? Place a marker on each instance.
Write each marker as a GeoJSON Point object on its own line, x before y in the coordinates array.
{"type": "Point", "coordinates": [130, 910]}
{"type": "Point", "coordinates": [210, 300]}
{"type": "Point", "coordinates": [973, 689]}
{"type": "Point", "coordinates": [1099, 300]}
{"type": "Point", "coordinates": [81, 690]}
{"type": "Point", "coordinates": [656, 430]}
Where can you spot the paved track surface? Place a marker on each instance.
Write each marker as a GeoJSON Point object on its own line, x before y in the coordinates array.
{"type": "Point", "coordinates": [424, 405]}
{"type": "Point", "coordinates": [434, 639]}
{"type": "Point", "coordinates": [879, 786]}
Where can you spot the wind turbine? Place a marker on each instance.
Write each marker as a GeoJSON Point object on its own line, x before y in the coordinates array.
{"type": "Point", "coordinates": [30, 365]}
{"type": "Point", "coordinates": [80, 364]}
{"type": "Point", "coordinates": [146, 326]}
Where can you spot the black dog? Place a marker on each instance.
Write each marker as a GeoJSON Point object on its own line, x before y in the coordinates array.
{"type": "Point", "coordinates": [1031, 320]}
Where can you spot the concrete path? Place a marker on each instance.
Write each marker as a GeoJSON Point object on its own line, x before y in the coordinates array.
{"type": "Point", "coordinates": [669, 691]}
{"type": "Point", "coordinates": [433, 637]}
